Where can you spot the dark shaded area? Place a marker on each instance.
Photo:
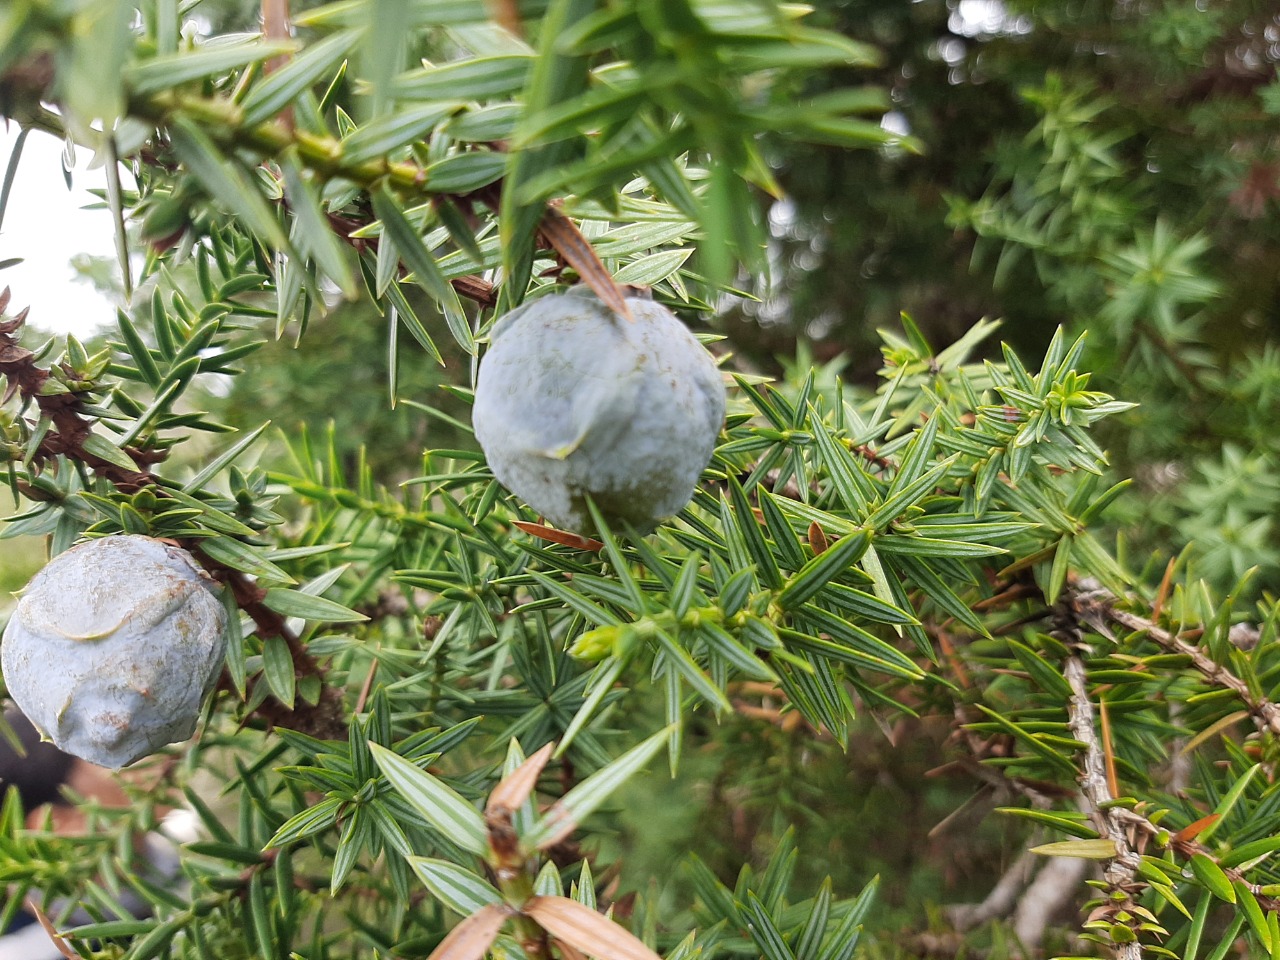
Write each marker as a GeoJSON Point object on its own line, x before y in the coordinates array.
{"type": "Point", "coordinates": [38, 770]}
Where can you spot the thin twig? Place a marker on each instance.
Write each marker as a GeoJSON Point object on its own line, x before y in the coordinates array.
{"type": "Point", "coordinates": [1053, 887]}
{"type": "Point", "coordinates": [325, 719]}
{"type": "Point", "coordinates": [367, 687]}
{"type": "Point", "coordinates": [1265, 713]}
{"type": "Point", "coordinates": [1192, 847]}
{"type": "Point", "coordinates": [1002, 899]}
{"type": "Point", "coordinates": [276, 26]}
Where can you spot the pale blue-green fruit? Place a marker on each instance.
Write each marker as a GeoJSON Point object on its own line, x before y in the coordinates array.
{"type": "Point", "coordinates": [113, 646]}
{"type": "Point", "coordinates": [573, 401]}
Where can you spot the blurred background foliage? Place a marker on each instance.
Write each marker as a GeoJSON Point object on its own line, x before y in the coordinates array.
{"type": "Point", "coordinates": [1109, 165]}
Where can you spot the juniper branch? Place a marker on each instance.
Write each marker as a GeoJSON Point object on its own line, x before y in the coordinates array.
{"type": "Point", "coordinates": [1266, 714]}
{"type": "Point", "coordinates": [1098, 801]}
{"type": "Point", "coordinates": [1187, 848]}
{"type": "Point", "coordinates": [66, 438]}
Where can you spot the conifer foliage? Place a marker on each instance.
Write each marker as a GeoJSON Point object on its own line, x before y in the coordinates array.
{"type": "Point", "coordinates": [431, 697]}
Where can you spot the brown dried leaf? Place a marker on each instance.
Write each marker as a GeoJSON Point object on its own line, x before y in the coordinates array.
{"type": "Point", "coordinates": [1108, 751]}
{"type": "Point", "coordinates": [63, 947]}
{"type": "Point", "coordinates": [562, 537]}
{"type": "Point", "coordinates": [506, 13]}
{"type": "Point", "coordinates": [475, 289]}
{"type": "Point", "coordinates": [1193, 830]}
{"type": "Point", "coordinates": [513, 790]}
{"type": "Point", "coordinates": [568, 241]}
{"type": "Point", "coordinates": [817, 539]}
{"type": "Point", "coordinates": [11, 325]}
{"type": "Point", "coordinates": [585, 930]}
{"type": "Point", "coordinates": [1166, 584]}
{"type": "Point", "coordinates": [470, 939]}
{"type": "Point", "coordinates": [954, 661]}
{"type": "Point", "coordinates": [11, 353]}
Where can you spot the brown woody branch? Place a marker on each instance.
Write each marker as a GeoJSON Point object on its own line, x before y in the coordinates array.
{"type": "Point", "coordinates": [1121, 870]}
{"type": "Point", "coordinates": [1265, 713]}
{"type": "Point", "coordinates": [1130, 831]}
{"type": "Point", "coordinates": [1098, 608]}
{"type": "Point", "coordinates": [1002, 899]}
{"type": "Point", "coordinates": [324, 720]}
{"type": "Point", "coordinates": [1093, 782]}
{"type": "Point", "coordinates": [1096, 794]}
{"type": "Point", "coordinates": [69, 430]}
